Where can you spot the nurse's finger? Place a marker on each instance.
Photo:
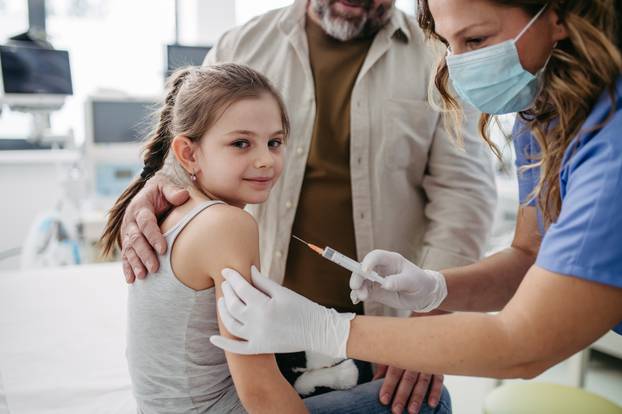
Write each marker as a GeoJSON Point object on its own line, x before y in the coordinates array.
{"type": "Point", "coordinates": [230, 345]}
{"type": "Point", "coordinates": [233, 303]}
{"type": "Point", "coordinates": [356, 281]}
{"type": "Point", "coordinates": [265, 284]}
{"type": "Point", "coordinates": [361, 294]}
{"type": "Point", "coordinates": [382, 261]}
{"type": "Point", "coordinates": [231, 324]}
{"type": "Point", "coordinates": [243, 289]}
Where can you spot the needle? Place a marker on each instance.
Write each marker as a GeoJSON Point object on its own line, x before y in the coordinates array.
{"type": "Point", "coordinates": [343, 261]}
{"type": "Point", "coordinates": [313, 247]}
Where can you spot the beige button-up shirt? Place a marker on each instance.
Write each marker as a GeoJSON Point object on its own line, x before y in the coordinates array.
{"type": "Point", "coordinates": [414, 191]}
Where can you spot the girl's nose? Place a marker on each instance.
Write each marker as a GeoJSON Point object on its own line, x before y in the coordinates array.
{"type": "Point", "coordinates": [264, 159]}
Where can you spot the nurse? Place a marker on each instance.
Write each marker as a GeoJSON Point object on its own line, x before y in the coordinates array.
{"type": "Point", "coordinates": [558, 287]}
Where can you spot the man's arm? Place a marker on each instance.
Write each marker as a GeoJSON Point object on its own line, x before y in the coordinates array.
{"type": "Point", "coordinates": [460, 187]}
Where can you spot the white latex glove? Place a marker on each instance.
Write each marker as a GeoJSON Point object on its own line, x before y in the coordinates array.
{"type": "Point", "coordinates": [275, 319]}
{"type": "Point", "coordinates": [406, 285]}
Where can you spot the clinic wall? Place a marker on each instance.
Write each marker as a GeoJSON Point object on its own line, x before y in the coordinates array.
{"type": "Point", "coordinates": [210, 18]}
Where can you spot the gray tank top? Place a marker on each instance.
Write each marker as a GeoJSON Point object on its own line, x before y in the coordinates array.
{"type": "Point", "coordinates": [173, 366]}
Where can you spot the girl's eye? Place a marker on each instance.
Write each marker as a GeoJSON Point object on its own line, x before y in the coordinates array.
{"type": "Point", "coordinates": [241, 143]}
{"type": "Point", "coordinates": [275, 143]}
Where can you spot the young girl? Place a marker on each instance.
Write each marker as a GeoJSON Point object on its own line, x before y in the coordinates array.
{"type": "Point", "coordinates": [221, 135]}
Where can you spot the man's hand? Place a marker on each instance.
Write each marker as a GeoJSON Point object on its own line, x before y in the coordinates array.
{"type": "Point", "coordinates": [140, 233]}
{"type": "Point", "coordinates": [408, 387]}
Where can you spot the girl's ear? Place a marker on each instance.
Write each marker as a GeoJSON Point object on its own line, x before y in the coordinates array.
{"type": "Point", "coordinates": [184, 150]}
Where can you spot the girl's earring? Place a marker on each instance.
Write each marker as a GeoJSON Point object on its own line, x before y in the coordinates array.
{"type": "Point", "coordinates": [193, 176]}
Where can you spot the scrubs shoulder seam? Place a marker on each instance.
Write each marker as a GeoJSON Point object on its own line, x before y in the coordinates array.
{"type": "Point", "coordinates": [580, 272]}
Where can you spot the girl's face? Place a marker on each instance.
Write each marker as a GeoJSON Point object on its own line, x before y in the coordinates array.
{"type": "Point", "coordinates": [240, 157]}
{"type": "Point", "coordinates": [468, 25]}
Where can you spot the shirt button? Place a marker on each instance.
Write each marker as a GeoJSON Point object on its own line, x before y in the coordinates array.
{"type": "Point", "coordinates": [289, 204]}
{"type": "Point", "coordinates": [362, 216]}
{"type": "Point", "coordinates": [300, 150]}
{"type": "Point", "coordinates": [359, 160]}
{"type": "Point", "coordinates": [278, 254]}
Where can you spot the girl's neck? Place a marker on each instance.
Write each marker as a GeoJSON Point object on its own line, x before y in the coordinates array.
{"type": "Point", "coordinates": [201, 195]}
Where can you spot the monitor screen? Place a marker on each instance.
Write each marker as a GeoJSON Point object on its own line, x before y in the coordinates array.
{"type": "Point", "coordinates": [178, 56]}
{"type": "Point", "coordinates": [32, 70]}
{"type": "Point", "coordinates": [121, 121]}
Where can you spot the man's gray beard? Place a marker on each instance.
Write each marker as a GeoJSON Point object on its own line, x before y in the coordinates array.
{"type": "Point", "coordinates": [343, 29]}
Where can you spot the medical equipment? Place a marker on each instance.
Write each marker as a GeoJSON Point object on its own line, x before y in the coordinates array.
{"type": "Point", "coordinates": [34, 77]}
{"type": "Point", "coordinates": [343, 261]}
{"type": "Point", "coordinates": [178, 56]}
{"type": "Point", "coordinates": [115, 127]}
{"type": "Point", "coordinates": [51, 242]}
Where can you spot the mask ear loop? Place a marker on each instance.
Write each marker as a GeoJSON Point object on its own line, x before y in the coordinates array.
{"type": "Point", "coordinates": [531, 22]}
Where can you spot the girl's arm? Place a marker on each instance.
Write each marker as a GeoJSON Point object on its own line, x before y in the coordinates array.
{"type": "Point", "coordinates": [228, 237]}
{"type": "Point", "coordinates": [551, 317]}
{"type": "Point", "coordinates": [489, 284]}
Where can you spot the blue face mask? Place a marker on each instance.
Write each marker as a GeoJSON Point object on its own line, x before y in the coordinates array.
{"type": "Point", "coordinates": [493, 80]}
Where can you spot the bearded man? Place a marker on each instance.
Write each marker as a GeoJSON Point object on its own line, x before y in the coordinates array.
{"type": "Point", "coordinates": [365, 147]}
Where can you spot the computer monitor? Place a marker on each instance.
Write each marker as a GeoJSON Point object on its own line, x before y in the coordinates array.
{"type": "Point", "coordinates": [178, 56]}
{"type": "Point", "coordinates": [34, 76]}
{"type": "Point", "coordinates": [115, 128]}
{"type": "Point", "coordinates": [116, 121]}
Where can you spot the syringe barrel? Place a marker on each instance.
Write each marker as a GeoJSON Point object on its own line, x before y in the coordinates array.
{"type": "Point", "coordinates": [343, 261]}
{"type": "Point", "coordinates": [352, 265]}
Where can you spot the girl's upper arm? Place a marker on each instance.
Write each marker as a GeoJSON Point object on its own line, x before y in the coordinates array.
{"type": "Point", "coordinates": [233, 242]}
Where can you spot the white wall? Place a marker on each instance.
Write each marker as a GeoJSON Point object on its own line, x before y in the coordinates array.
{"type": "Point", "coordinates": [211, 18]}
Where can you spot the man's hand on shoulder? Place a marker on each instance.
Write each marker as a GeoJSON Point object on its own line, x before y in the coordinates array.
{"type": "Point", "coordinates": [140, 231]}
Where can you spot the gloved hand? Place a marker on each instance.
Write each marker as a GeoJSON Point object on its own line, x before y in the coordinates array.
{"type": "Point", "coordinates": [406, 285]}
{"type": "Point", "coordinates": [277, 319]}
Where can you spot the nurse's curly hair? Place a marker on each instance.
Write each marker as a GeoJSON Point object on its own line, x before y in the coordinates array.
{"type": "Point", "coordinates": [196, 97]}
{"type": "Point", "coordinates": [581, 67]}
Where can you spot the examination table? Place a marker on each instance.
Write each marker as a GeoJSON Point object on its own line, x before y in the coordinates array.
{"type": "Point", "coordinates": [62, 341]}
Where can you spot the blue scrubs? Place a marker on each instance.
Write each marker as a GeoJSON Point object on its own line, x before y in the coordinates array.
{"type": "Point", "coordinates": [586, 239]}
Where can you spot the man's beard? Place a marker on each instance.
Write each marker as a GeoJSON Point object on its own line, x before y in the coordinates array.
{"type": "Point", "coordinates": [343, 28]}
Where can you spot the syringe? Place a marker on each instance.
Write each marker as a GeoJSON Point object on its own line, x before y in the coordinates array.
{"type": "Point", "coordinates": [343, 261]}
